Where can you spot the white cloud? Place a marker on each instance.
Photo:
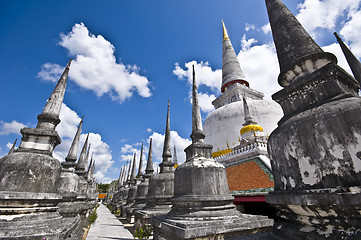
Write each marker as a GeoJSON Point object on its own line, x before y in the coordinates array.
{"type": "Point", "coordinates": [101, 150]}
{"type": "Point", "coordinates": [11, 127]}
{"type": "Point", "coordinates": [95, 67]}
{"type": "Point", "coordinates": [205, 102]}
{"type": "Point", "coordinates": [50, 72]}
{"type": "Point", "coordinates": [178, 141]}
{"type": "Point", "coordinates": [315, 14]}
{"type": "Point", "coordinates": [260, 66]}
{"type": "Point", "coordinates": [249, 27]}
{"type": "Point", "coordinates": [351, 32]}
{"type": "Point", "coordinates": [9, 145]}
{"type": "Point", "coordinates": [204, 74]}
{"type": "Point", "coordinates": [336, 49]}
{"type": "Point", "coordinates": [149, 130]}
{"type": "Point", "coordinates": [246, 44]}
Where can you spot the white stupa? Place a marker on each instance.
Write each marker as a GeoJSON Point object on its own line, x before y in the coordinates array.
{"type": "Point", "coordinates": [222, 126]}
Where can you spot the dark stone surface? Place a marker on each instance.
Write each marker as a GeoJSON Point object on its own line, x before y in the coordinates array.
{"type": "Point", "coordinates": [29, 172]}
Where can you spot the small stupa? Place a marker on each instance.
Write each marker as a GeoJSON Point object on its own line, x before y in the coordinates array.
{"type": "Point", "coordinates": [161, 185]}
{"type": "Point", "coordinates": [142, 190]}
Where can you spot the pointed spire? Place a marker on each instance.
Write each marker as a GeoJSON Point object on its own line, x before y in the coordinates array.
{"type": "Point", "coordinates": [247, 115]}
{"type": "Point", "coordinates": [352, 61]}
{"type": "Point", "coordinates": [133, 175]}
{"type": "Point", "coordinates": [120, 176]}
{"type": "Point", "coordinates": [175, 160]}
{"type": "Point", "coordinates": [49, 118]}
{"type": "Point", "coordinates": [80, 167]}
{"type": "Point", "coordinates": [91, 162]}
{"type": "Point", "coordinates": [231, 69]}
{"type": "Point", "coordinates": [197, 129]}
{"type": "Point", "coordinates": [225, 33]}
{"type": "Point", "coordinates": [167, 154]}
{"type": "Point", "coordinates": [73, 151]}
{"type": "Point", "coordinates": [149, 169]}
{"type": "Point", "coordinates": [140, 168]}
{"type": "Point", "coordinates": [294, 45]}
{"type": "Point", "coordinates": [129, 169]}
{"type": "Point", "coordinates": [87, 155]}
{"type": "Point", "coordinates": [12, 147]}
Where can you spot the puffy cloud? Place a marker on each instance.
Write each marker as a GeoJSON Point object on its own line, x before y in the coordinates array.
{"type": "Point", "coordinates": [204, 74]}
{"type": "Point", "coordinates": [149, 130]}
{"type": "Point", "coordinates": [316, 14]}
{"type": "Point", "coordinates": [246, 44]}
{"type": "Point", "coordinates": [50, 72]}
{"type": "Point", "coordinates": [249, 27]}
{"type": "Point", "coordinates": [95, 67]}
{"type": "Point", "coordinates": [205, 102]}
{"type": "Point", "coordinates": [351, 32]}
{"type": "Point", "coordinates": [260, 66]}
{"type": "Point", "coordinates": [101, 150]}
{"type": "Point", "coordinates": [13, 127]}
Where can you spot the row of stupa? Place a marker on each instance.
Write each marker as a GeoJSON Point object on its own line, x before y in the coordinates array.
{"type": "Point", "coordinates": [40, 197]}
{"type": "Point", "coordinates": [314, 153]}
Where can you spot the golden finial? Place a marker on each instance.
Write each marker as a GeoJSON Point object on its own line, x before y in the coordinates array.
{"type": "Point", "coordinates": [225, 34]}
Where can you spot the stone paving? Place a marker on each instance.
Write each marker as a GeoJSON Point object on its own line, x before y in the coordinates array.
{"type": "Point", "coordinates": [107, 226]}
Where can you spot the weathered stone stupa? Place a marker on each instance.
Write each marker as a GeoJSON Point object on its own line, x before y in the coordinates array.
{"type": "Point", "coordinates": [138, 180]}
{"type": "Point", "coordinates": [29, 179]}
{"type": "Point", "coordinates": [161, 185]}
{"type": "Point", "coordinates": [142, 190]}
{"type": "Point", "coordinates": [317, 171]}
{"type": "Point", "coordinates": [202, 206]}
{"type": "Point", "coordinates": [69, 180]}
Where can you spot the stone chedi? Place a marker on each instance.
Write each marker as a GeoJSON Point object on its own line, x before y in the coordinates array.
{"type": "Point", "coordinates": [161, 185]}
{"type": "Point", "coordinates": [222, 126]}
{"type": "Point", "coordinates": [29, 179]}
{"type": "Point", "coordinates": [202, 206]}
{"type": "Point", "coordinates": [142, 189]}
{"type": "Point", "coordinates": [133, 191]}
{"type": "Point", "coordinates": [69, 180]}
{"type": "Point", "coordinates": [317, 171]}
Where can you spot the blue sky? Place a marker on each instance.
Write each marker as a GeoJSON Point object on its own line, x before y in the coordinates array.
{"type": "Point", "coordinates": [130, 57]}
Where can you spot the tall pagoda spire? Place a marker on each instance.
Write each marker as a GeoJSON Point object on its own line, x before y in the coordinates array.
{"type": "Point", "coordinates": [12, 147]}
{"type": "Point", "coordinates": [149, 169]}
{"type": "Point", "coordinates": [231, 69]}
{"type": "Point", "coordinates": [167, 155]}
{"type": "Point", "coordinates": [352, 61]}
{"type": "Point", "coordinates": [140, 169]}
{"type": "Point", "coordinates": [298, 54]}
{"type": "Point", "coordinates": [73, 151]}
{"type": "Point", "coordinates": [82, 162]}
{"type": "Point", "coordinates": [49, 118]}
{"type": "Point", "coordinates": [247, 115]}
{"type": "Point", "coordinates": [120, 179]}
{"type": "Point", "coordinates": [197, 129]}
{"type": "Point", "coordinates": [175, 160]}
{"type": "Point", "coordinates": [133, 175]}
{"type": "Point", "coordinates": [43, 138]}
{"type": "Point", "coordinates": [129, 170]}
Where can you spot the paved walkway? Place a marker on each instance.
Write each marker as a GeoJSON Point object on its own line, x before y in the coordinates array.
{"type": "Point", "coordinates": [107, 226]}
